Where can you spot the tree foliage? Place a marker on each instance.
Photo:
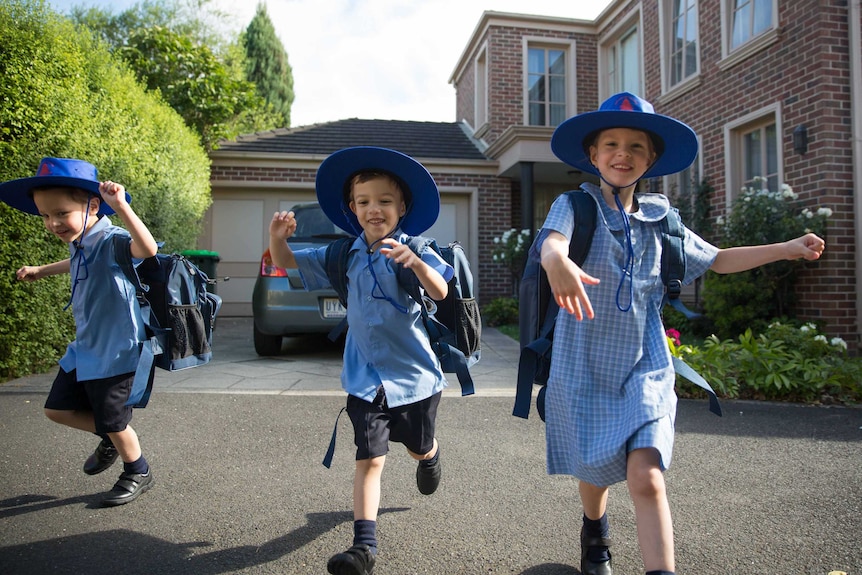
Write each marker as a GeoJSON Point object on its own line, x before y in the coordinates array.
{"type": "Point", "coordinates": [64, 95]}
{"type": "Point", "coordinates": [267, 64]}
{"type": "Point", "coordinates": [174, 50]}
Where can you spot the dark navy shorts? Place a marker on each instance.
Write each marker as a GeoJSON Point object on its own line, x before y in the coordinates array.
{"type": "Point", "coordinates": [106, 398]}
{"type": "Point", "coordinates": [375, 424]}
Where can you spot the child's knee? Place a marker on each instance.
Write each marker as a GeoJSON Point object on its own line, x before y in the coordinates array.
{"type": "Point", "coordinates": [57, 415]}
{"type": "Point", "coordinates": [645, 481]}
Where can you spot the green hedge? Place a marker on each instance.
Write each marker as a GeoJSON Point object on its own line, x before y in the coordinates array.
{"type": "Point", "coordinates": [64, 95]}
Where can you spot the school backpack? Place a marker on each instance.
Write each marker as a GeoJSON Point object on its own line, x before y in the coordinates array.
{"type": "Point", "coordinates": [537, 309]}
{"type": "Point", "coordinates": [454, 328]}
{"type": "Point", "coordinates": [178, 311]}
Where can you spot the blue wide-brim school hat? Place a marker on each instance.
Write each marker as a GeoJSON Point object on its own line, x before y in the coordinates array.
{"type": "Point", "coordinates": [420, 190]}
{"type": "Point", "coordinates": [675, 142]}
{"type": "Point", "coordinates": [54, 172]}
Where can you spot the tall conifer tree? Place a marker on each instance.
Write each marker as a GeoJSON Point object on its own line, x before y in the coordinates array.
{"type": "Point", "coordinates": [267, 65]}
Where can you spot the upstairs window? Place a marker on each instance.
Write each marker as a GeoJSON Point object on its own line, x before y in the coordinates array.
{"type": "Point", "coordinates": [623, 63]}
{"type": "Point", "coordinates": [546, 86]}
{"type": "Point", "coordinates": [682, 45]}
{"type": "Point", "coordinates": [749, 18]}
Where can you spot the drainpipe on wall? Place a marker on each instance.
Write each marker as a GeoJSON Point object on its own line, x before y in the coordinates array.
{"type": "Point", "coordinates": [854, 8]}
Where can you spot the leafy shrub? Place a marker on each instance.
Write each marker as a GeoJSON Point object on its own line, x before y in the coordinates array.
{"type": "Point", "coordinates": [501, 311]}
{"type": "Point", "coordinates": [64, 95]}
{"type": "Point", "coordinates": [785, 363]}
{"type": "Point", "coordinates": [736, 302]}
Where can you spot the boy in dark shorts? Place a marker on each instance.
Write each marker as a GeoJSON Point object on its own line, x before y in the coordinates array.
{"type": "Point", "coordinates": [392, 376]}
{"type": "Point", "coordinates": [96, 386]}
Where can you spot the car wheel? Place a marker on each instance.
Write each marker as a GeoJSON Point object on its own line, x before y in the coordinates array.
{"type": "Point", "coordinates": [266, 344]}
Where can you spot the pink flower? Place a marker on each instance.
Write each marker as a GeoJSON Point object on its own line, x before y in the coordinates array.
{"type": "Point", "coordinates": [673, 335]}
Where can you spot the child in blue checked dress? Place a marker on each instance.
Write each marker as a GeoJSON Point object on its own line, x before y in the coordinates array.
{"type": "Point", "coordinates": [96, 386]}
{"type": "Point", "coordinates": [610, 403]}
{"type": "Point", "coordinates": [392, 376]}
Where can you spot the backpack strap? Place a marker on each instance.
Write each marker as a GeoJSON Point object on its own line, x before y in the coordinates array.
{"type": "Point", "coordinates": [534, 360]}
{"type": "Point", "coordinates": [142, 386]}
{"type": "Point", "coordinates": [335, 266]}
{"type": "Point", "coordinates": [673, 261]}
{"type": "Point", "coordinates": [452, 359]}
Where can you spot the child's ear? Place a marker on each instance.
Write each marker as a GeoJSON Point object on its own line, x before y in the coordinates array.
{"type": "Point", "coordinates": [93, 205]}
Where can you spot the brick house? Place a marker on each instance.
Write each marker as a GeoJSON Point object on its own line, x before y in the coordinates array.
{"type": "Point", "coordinates": [745, 74]}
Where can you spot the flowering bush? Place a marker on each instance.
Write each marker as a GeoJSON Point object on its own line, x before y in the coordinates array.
{"type": "Point", "coordinates": [783, 363]}
{"type": "Point", "coordinates": [511, 249]}
{"type": "Point", "coordinates": [736, 302]}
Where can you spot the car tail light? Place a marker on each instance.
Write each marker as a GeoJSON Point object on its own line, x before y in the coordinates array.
{"type": "Point", "coordinates": [269, 269]}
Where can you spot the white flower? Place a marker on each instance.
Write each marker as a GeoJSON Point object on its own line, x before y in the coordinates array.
{"type": "Point", "coordinates": [496, 257]}
{"type": "Point", "coordinates": [820, 338]}
{"type": "Point", "coordinates": [720, 220]}
{"type": "Point", "coordinates": [496, 240]}
{"type": "Point", "coordinates": [787, 192]}
{"type": "Point", "coordinates": [808, 327]}
{"type": "Point", "coordinates": [825, 212]}
{"type": "Point", "coordinates": [746, 199]}
{"type": "Point", "coordinates": [838, 342]}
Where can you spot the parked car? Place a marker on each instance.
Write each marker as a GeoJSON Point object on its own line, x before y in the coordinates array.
{"type": "Point", "coordinates": [280, 305]}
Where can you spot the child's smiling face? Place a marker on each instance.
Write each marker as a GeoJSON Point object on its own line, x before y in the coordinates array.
{"type": "Point", "coordinates": [63, 211]}
{"type": "Point", "coordinates": [622, 155]}
{"type": "Point", "coordinates": [378, 204]}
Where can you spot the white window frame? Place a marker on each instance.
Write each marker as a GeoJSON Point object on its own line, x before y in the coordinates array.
{"type": "Point", "coordinates": [568, 47]}
{"type": "Point", "coordinates": [734, 133]}
{"type": "Point", "coordinates": [610, 42]}
{"type": "Point", "coordinates": [482, 95]}
{"type": "Point", "coordinates": [667, 48]}
{"type": "Point", "coordinates": [733, 55]}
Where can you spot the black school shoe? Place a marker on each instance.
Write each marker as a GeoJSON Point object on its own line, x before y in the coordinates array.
{"type": "Point", "coordinates": [358, 560]}
{"type": "Point", "coordinates": [101, 459]}
{"type": "Point", "coordinates": [590, 567]}
{"type": "Point", "coordinates": [128, 488]}
{"type": "Point", "coordinates": [428, 476]}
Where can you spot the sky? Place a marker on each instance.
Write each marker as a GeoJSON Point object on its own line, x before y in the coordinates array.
{"type": "Point", "coordinates": [373, 59]}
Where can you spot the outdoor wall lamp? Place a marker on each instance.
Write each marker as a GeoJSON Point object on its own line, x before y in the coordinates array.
{"type": "Point", "coordinates": [800, 139]}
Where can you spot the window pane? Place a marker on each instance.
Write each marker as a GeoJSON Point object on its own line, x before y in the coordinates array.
{"type": "Point", "coordinates": [752, 155]}
{"type": "Point", "coordinates": [557, 59]}
{"type": "Point", "coordinates": [762, 16]}
{"type": "Point", "coordinates": [690, 59]}
{"type": "Point", "coordinates": [771, 152]}
{"type": "Point", "coordinates": [558, 90]}
{"type": "Point", "coordinates": [741, 24]}
{"type": "Point", "coordinates": [691, 25]}
{"type": "Point", "coordinates": [676, 68]}
{"type": "Point", "coordinates": [629, 64]}
{"type": "Point", "coordinates": [535, 61]}
{"type": "Point", "coordinates": [536, 87]}
{"type": "Point", "coordinates": [558, 114]}
{"type": "Point", "coordinates": [537, 114]}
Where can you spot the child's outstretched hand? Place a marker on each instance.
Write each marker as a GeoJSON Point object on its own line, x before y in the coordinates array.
{"type": "Point", "coordinates": [399, 252]}
{"type": "Point", "coordinates": [112, 194]}
{"type": "Point", "coordinates": [808, 247]}
{"type": "Point", "coordinates": [567, 281]}
{"type": "Point", "coordinates": [29, 273]}
{"type": "Point", "coordinates": [283, 225]}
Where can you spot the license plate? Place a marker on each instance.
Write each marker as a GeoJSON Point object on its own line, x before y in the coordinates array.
{"type": "Point", "coordinates": [332, 308]}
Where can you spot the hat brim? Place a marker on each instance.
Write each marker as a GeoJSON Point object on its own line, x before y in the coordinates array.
{"type": "Point", "coordinates": [16, 193]}
{"type": "Point", "coordinates": [342, 165]}
{"type": "Point", "coordinates": [679, 140]}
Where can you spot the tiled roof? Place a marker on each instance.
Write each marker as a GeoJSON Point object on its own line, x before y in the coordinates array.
{"type": "Point", "coordinates": [443, 140]}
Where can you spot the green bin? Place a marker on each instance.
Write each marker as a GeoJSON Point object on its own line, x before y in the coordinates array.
{"type": "Point", "coordinates": [207, 261]}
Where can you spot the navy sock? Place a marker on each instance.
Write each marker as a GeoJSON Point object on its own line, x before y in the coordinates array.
{"type": "Point", "coordinates": [140, 467]}
{"type": "Point", "coordinates": [433, 460]}
{"type": "Point", "coordinates": [365, 533]}
{"type": "Point", "coordinates": [659, 572]}
{"type": "Point", "coordinates": [597, 528]}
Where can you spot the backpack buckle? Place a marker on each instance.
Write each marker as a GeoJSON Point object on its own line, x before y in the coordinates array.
{"type": "Point", "coordinates": [674, 288]}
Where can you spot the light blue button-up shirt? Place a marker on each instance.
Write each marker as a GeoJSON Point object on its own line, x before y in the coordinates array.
{"type": "Point", "coordinates": [384, 345]}
{"type": "Point", "coordinates": [109, 327]}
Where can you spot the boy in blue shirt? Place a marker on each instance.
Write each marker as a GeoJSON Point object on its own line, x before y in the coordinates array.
{"type": "Point", "coordinates": [391, 374]}
{"type": "Point", "coordinates": [95, 388]}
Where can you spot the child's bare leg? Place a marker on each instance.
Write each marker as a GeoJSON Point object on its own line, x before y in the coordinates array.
{"type": "Point", "coordinates": [594, 499]}
{"type": "Point", "coordinates": [82, 420]}
{"type": "Point", "coordinates": [127, 444]}
{"type": "Point", "coordinates": [366, 487]}
{"type": "Point", "coordinates": [426, 456]}
{"type": "Point", "coordinates": [652, 511]}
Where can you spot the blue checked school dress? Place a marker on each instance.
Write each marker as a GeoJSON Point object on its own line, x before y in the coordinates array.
{"type": "Point", "coordinates": [611, 383]}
